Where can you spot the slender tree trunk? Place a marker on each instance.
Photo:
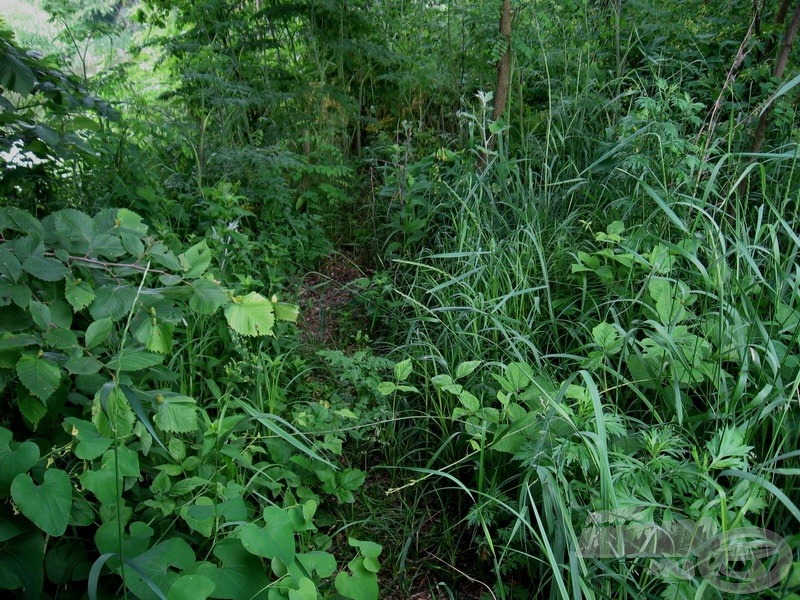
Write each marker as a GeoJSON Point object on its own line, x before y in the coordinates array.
{"type": "Point", "coordinates": [504, 64]}
{"type": "Point", "coordinates": [777, 72]}
{"type": "Point", "coordinates": [780, 17]}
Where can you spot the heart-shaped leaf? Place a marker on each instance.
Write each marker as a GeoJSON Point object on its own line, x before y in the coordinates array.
{"type": "Point", "coordinates": [14, 459]}
{"type": "Point", "coordinates": [47, 505]}
{"type": "Point", "coordinates": [275, 539]}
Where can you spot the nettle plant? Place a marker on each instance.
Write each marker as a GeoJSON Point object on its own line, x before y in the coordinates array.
{"type": "Point", "coordinates": [96, 450]}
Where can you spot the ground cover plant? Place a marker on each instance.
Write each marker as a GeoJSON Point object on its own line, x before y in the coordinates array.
{"type": "Point", "coordinates": [346, 299]}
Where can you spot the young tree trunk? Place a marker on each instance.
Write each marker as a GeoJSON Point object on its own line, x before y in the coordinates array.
{"type": "Point", "coordinates": [777, 72]}
{"type": "Point", "coordinates": [504, 64]}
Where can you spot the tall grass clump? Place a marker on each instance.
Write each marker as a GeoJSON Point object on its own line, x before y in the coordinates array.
{"type": "Point", "coordinates": [613, 338]}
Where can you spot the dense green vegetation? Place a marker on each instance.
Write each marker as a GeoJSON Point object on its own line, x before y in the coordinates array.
{"type": "Point", "coordinates": [293, 307]}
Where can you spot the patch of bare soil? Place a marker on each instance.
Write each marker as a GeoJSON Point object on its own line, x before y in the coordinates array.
{"type": "Point", "coordinates": [328, 313]}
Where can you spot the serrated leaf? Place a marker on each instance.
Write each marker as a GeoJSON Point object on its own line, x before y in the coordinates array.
{"type": "Point", "coordinates": [207, 296]}
{"type": "Point", "coordinates": [61, 339]}
{"type": "Point", "coordinates": [286, 312]}
{"type": "Point", "coordinates": [113, 302]}
{"type": "Point", "coordinates": [98, 332]}
{"type": "Point", "coordinates": [196, 260]}
{"type": "Point", "coordinates": [10, 266]}
{"type": "Point", "coordinates": [32, 409]}
{"type": "Point", "coordinates": [606, 336]}
{"type": "Point", "coordinates": [78, 293]}
{"type": "Point", "coordinates": [520, 375]}
{"type": "Point", "coordinates": [157, 337]}
{"type": "Point", "coordinates": [39, 375]}
{"type": "Point", "coordinates": [129, 220]}
{"type": "Point", "coordinates": [111, 413]}
{"type": "Point", "coordinates": [83, 365]}
{"type": "Point", "coordinates": [134, 360]}
{"type": "Point", "coordinates": [40, 314]}
{"type": "Point", "coordinates": [17, 293]}
{"type": "Point", "coordinates": [176, 413]}
{"type": "Point", "coordinates": [402, 370]}
{"type": "Point", "coordinates": [107, 246]}
{"type": "Point", "coordinates": [45, 268]}
{"type": "Point", "coordinates": [75, 228]}
{"type": "Point", "coordinates": [251, 315]}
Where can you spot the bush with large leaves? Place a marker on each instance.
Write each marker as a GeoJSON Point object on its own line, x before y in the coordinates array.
{"type": "Point", "coordinates": [97, 450]}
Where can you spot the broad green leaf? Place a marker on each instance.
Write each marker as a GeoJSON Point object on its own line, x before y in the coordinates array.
{"type": "Point", "coordinates": [466, 368]}
{"type": "Point", "coordinates": [10, 266]}
{"type": "Point", "coordinates": [78, 293]}
{"type": "Point", "coordinates": [128, 220]}
{"type": "Point", "coordinates": [98, 332]}
{"type": "Point", "coordinates": [361, 585]}
{"type": "Point", "coordinates": [370, 551]}
{"type": "Point", "coordinates": [39, 375]}
{"type": "Point", "coordinates": [286, 312]}
{"type": "Point", "coordinates": [32, 409]}
{"type": "Point", "coordinates": [15, 458]}
{"type": "Point", "coordinates": [47, 505]}
{"type": "Point", "coordinates": [159, 564]}
{"type": "Point", "coordinates": [76, 230]}
{"type": "Point", "coordinates": [241, 575]}
{"type": "Point", "coordinates": [386, 388]}
{"type": "Point", "coordinates": [45, 268]}
{"type": "Point", "coordinates": [200, 515]}
{"type": "Point", "coordinates": [305, 590]}
{"type": "Point", "coordinates": [61, 339]}
{"type": "Point", "coordinates": [90, 444]}
{"type": "Point", "coordinates": [21, 563]}
{"type": "Point", "coordinates": [519, 375]}
{"type": "Point", "coordinates": [274, 540]}
{"type": "Point", "coordinates": [111, 538]}
{"type": "Point", "coordinates": [207, 296]}
{"type": "Point", "coordinates": [402, 370]}
{"type": "Point", "coordinates": [155, 335]}
{"type": "Point", "coordinates": [15, 74]}
{"type": "Point", "coordinates": [40, 314]}
{"type": "Point", "coordinates": [83, 365]}
{"type": "Point", "coordinates": [250, 315]}
{"type": "Point", "coordinates": [17, 293]}
{"type": "Point", "coordinates": [113, 302]}
{"type": "Point", "coordinates": [441, 381]}
{"type": "Point", "coordinates": [130, 360]}
{"type": "Point", "coordinates": [107, 246]}
{"type": "Point", "coordinates": [606, 336]}
{"type": "Point", "coordinates": [669, 300]}
{"type": "Point", "coordinates": [352, 479]}
{"type": "Point", "coordinates": [323, 563]}
{"type": "Point", "coordinates": [105, 482]}
{"type": "Point", "coordinates": [111, 413]}
{"type": "Point", "coordinates": [176, 413]}
{"type": "Point", "coordinates": [196, 260]}
{"type": "Point", "coordinates": [470, 402]}
{"type": "Point", "coordinates": [192, 587]}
